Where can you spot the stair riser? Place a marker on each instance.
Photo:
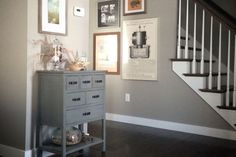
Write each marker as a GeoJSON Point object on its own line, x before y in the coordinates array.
{"type": "Point", "coordinates": [230, 98]}
{"type": "Point", "coordinates": [198, 67]}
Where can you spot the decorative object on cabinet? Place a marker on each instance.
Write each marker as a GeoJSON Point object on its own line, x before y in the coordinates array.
{"type": "Point", "coordinates": [140, 40]}
{"type": "Point", "coordinates": [76, 63]}
{"type": "Point", "coordinates": [54, 56]}
{"type": "Point", "coordinates": [108, 13]}
{"type": "Point", "coordinates": [67, 99]}
{"type": "Point", "coordinates": [51, 53]}
{"type": "Point", "coordinates": [52, 17]}
{"type": "Point", "coordinates": [107, 52]}
{"type": "Point", "coordinates": [134, 7]}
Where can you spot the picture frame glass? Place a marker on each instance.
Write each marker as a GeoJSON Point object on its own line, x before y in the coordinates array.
{"type": "Point", "coordinates": [134, 6]}
{"type": "Point", "coordinates": [108, 13]}
{"type": "Point", "coordinates": [52, 17]}
{"type": "Point", "coordinates": [106, 52]}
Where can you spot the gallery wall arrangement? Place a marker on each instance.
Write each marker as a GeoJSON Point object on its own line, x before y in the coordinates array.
{"type": "Point", "coordinates": [139, 50]}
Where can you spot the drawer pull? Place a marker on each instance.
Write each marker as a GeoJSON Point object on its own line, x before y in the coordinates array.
{"type": "Point", "coordinates": [98, 81]}
{"type": "Point", "coordinates": [76, 99]}
{"type": "Point", "coordinates": [95, 96]}
{"type": "Point", "coordinates": [86, 113]}
{"type": "Point", "coordinates": [73, 82]}
{"type": "Point", "coordinates": [86, 82]}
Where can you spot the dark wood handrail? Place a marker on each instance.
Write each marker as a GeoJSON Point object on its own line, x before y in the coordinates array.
{"type": "Point", "coordinates": [221, 15]}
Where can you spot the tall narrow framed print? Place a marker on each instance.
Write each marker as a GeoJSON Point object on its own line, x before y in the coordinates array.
{"type": "Point", "coordinates": [139, 54]}
{"type": "Point", "coordinates": [107, 52]}
{"type": "Point", "coordinates": [52, 17]}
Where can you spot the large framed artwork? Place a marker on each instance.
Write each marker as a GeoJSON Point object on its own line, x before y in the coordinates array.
{"type": "Point", "coordinates": [139, 58]}
{"type": "Point", "coordinates": [53, 17]}
{"type": "Point", "coordinates": [107, 52]}
{"type": "Point", "coordinates": [134, 7]}
{"type": "Point", "coordinates": [108, 13]}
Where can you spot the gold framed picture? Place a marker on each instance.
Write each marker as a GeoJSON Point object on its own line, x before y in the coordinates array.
{"type": "Point", "coordinates": [107, 52]}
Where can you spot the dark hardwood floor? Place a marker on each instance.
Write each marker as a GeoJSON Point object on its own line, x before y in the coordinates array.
{"type": "Point", "coordinates": [126, 140]}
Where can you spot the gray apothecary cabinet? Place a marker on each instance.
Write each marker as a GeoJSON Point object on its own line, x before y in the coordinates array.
{"type": "Point", "coordinates": [66, 99]}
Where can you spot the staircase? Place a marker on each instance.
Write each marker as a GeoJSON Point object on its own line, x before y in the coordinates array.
{"type": "Point", "coordinates": [205, 57]}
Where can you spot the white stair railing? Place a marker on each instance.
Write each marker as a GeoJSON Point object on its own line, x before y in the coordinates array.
{"type": "Point", "coordinates": [194, 68]}
{"type": "Point", "coordinates": [234, 92]}
{"type": "Point", "coordinates": [228, 72]}
{"type": "Point", "coordinates": [223, 65]}
{"type": "Point", "coordinates": [179, 31]}
{"type": "Point", "coordinates": [203, 42]}
{"type": "Point", "coordinates": [186, 31]}
{"type": "Point", "coordinates": [210, 64]}
{"type": "Point", "coordinates": [219, 60]}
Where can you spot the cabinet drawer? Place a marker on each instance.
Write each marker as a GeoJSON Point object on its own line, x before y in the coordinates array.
{"type": "Point", "coordinates": [72, 83]}
{"type": "Point", "coordinates": [95, 96]}
{"type": "Point", "coordinates": [75, 99]}
{"type": "Point", "coordinates": [85, 82]}
{"type": "Point", "coordinates": [84, 114]}
{"type": "Point", "coordinates": [98, 81]}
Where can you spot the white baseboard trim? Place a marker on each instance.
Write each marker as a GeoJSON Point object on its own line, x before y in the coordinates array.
{"type": "Point", "coordinates": [7, 151]}
{"type": "Point", "coordinates": [193, 129]}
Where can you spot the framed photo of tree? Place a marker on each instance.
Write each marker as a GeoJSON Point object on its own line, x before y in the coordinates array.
{"type": "Point", "coordinates": [53, 17]}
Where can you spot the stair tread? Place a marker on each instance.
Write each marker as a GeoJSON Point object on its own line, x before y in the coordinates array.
{"type": "Point", "coordinates": [189, 60]}
{"type": "Point", "coordinates": [215, 90]}
{"type": "Point", "coordinates": [191, 48]}
{"type": "Point", "coordinates": [183, 38]}
{"type": "Point", "coordinates": [227, 107]}
{"type": "Point", "coordinates": [202, 75]}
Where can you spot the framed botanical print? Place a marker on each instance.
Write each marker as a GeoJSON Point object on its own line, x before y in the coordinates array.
{"type": "Point", "coordinates": [134, 7]}
{"type": "Point", "coordinates": [108, 13]}
{"type": "Point", "coordinates": [52, 17]}
{"type": "Point", "coordinates": [107, 52]}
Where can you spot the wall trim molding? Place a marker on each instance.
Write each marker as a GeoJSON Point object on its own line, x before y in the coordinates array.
{"type": "Point", "coordinates": [8, 151]}
{"type": "Point", "coordinates": [187, 128]}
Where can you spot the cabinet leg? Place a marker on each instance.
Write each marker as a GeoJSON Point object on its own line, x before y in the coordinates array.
{"type": "Point", "coordinates": [104, 135]}
{"type": "Point", "coordinates": [39, 153]}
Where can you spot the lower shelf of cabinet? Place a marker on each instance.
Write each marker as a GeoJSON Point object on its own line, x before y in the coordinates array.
{"type": "Point", "coordinates": [73, 148]}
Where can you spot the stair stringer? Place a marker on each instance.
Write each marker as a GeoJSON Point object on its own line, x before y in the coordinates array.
{"type": "Point", "coordinates": [212, 99]}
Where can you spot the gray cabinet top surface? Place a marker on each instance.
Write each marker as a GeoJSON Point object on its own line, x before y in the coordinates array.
{"type": "Point", "coordinates": [68, 72]}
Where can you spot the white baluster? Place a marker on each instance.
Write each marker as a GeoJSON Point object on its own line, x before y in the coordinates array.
{"type": "Point", "coordinates": [203, 42]}
{"type": "Point", "coordinates": [194, 40]}
{"type": "Point", "coordinates": [179, 33]}
{"type": "Point", "coordinates": [228, 72]}
{"type": "Point", "coordinates": [210, 66]}
{"type": "Point", "coordinates": [186, 35]}
{"type": "Point", "coordinates": [234, 94]}
{"type": "Point", "coordinates": [219, 59]}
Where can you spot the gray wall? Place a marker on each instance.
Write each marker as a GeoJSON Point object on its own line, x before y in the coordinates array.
{"type": "Point", "coordinates": [13, 61]}
{"type": "Point", "coordinates": [168, 99]}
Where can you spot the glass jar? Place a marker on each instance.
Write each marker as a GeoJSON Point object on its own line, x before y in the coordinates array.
{"type": "Point", "coordinates": [73, 136]}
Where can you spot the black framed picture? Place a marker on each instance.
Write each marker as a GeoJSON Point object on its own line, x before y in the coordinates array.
{"type": "Point", "coordinates": [109, 13]}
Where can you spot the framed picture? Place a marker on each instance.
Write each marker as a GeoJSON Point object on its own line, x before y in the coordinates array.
{"type": "Point", "coordinates": [134, 7]}
{"type": "Point", "coordinates": [52, 17]}
{"type": "Point", "coordinates": [139, 54]}
{"type": "Point", "coordinates": [108, 13]}
{"type": "Point", "coordinates": [107, 52]}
